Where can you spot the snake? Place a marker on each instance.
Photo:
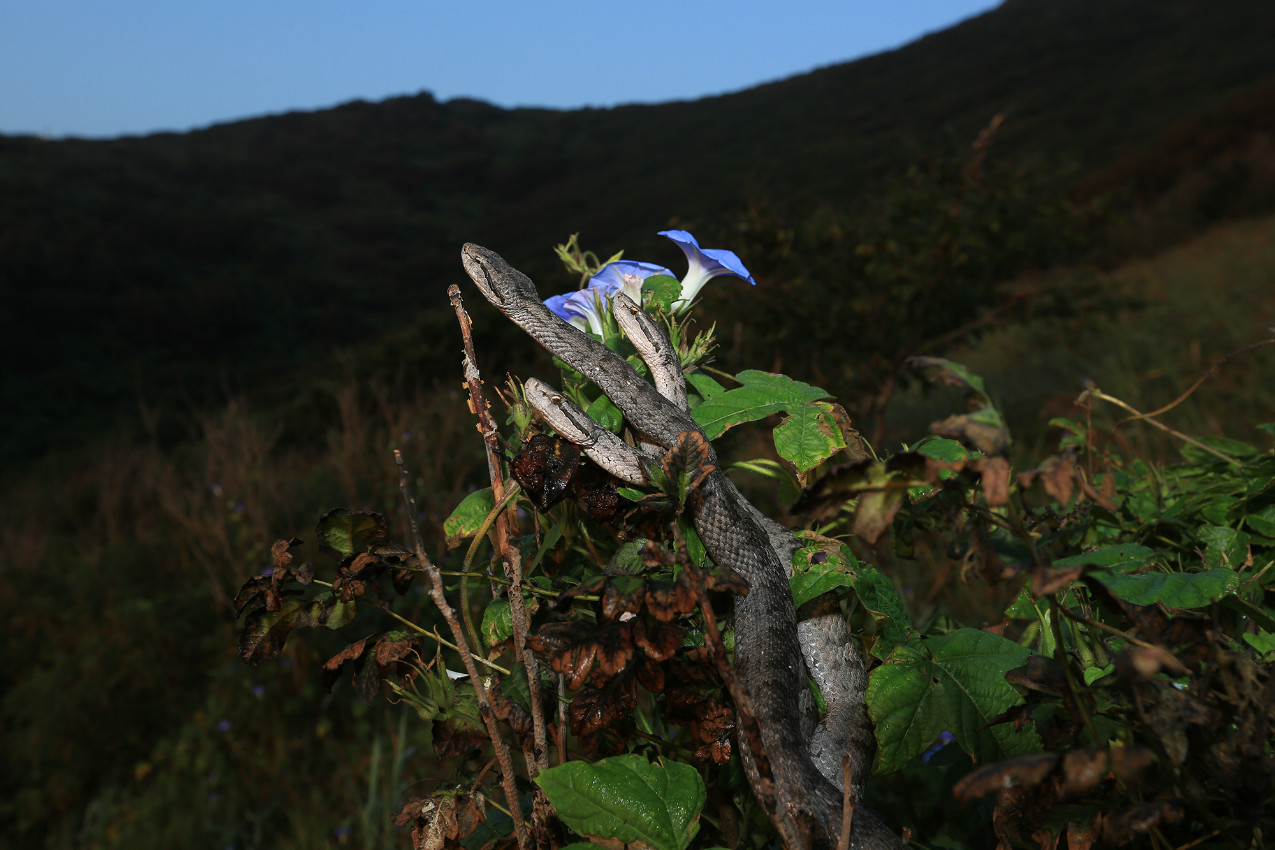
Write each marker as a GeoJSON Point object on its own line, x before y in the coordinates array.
{"type": "Point", "coordinates": [774, 650]}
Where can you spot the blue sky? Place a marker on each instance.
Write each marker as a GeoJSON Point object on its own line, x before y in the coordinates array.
{"type": "Point", "coordinates": [101, 68]}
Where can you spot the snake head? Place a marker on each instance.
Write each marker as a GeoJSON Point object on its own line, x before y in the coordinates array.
{"type": "Point", "coordinates": [500, 282]}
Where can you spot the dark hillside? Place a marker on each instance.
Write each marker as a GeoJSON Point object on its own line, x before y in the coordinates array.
{"type": "Point", "coordinates": [179, 267]}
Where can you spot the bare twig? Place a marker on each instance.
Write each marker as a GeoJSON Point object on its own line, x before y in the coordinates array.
{"type": "Point", "coordinates": [498, 744]}
{"type": "Point", "coordinates": [433, 635]}
{"type": "Point", "coordinates": [847, 802]}
{"type": "Point", "coordinates": [537, 758]}
{"type": "Point", "coordinates": [1146, 417]}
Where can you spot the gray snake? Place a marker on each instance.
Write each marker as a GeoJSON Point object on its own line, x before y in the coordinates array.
{"type": "Point", "coordinates": [769, 643]}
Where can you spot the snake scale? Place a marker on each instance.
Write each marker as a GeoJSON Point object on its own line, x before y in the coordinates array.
{"type": "Point", "coordinates": [770, 644]}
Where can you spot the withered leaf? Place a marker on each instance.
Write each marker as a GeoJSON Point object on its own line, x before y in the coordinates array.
{"type": "Point", "coordinates": [726, 580]}
{"type": "Point", "coordinates": [1082, 835]}
{"type": "Point", "coordinates": [1128, 763]}
{"type": "Point", "coordinates": [1149, 661]}
{"type": "Point", "coordinates": [594, 709]}
{"type": "Point", "coordinates": [508, 711]}
{"type": "Point", "coordinates": [576, 663]}
{"type": "Point", "coordinates": [440, 822]}
{"type": "Point", "coordinates": [259, 592]}
{"type": "Point", "coordinates": [995, 472]}
{"type": "Point", "coordinates": [332, 667]}
{"type": "Point", "coordinates": [718, 752]}
{"type": "Point", "coordinates": [987, 438]}
{"type": "Point", "coordinates": [1025, 771]}
{"type": "Point", "coordinates": [572, 648]}
{"type": "Point", "coordinates": [650, 675]}
{"type": "Point", "coordinates": [615, 649]}
{"type": "Point", "coordinates": [266, 591]}
{"type": "Point", "coordinates": [265, 632]}
{"type": "Point", "coordinates": [281, 557]}
{"type": "Point", "coordinates": [622, 595]}
{"type": "Point", "coordinates": [876, 511]}
{"type": "Point", "coordinates": [544, 468]}
{"type": "Point", "coordinates": [394, 647]}
{"type": "Point", "coordinates": [1058, 476]}
{"type": "Point", "coordinates": [714, 723]}
{"type": "Point", "coordinates": [1047, 580]}
{"type": "Point", "coordinates": [659, 642]}
{"type": "Point", "coordinates": [603, 744]}
{"type": "Point", "coordinates": [667, 602]}
{"type": "Point", "coordinates": [458, 735]}
{"type": "Point", "coordinates": [348, 588]}
{"type": "Point", "coordinates": [1040, 673]}
{"type": "Point", "coordinates": [1121, 828]}
{"type": "Point", "coordinates": [692, 453]}
{"type": "Point", "coordinates": [1082, 769]}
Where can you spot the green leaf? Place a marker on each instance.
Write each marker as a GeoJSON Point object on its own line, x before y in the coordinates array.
{"type": "Point", "coordinates": [1224, 547]}
{"type": "Point", "coordinates": [628, 798]}
{"type": "Point", "coordinates": [1263, 521]}
{"type": "Point", "coordinates": [695, 547]}
{"type": "Point", "coordinates": [762, 394]}
{"type": "Point", "coordinates": [1093, 674]}
{"type": "Point", "coordinates": [606, 414]}
{"type": "Point", "coordinates": [939, 370]}
{"type": "Point", "coordinates": [1177, 590]}
{"type": "Point", "coordinates": [954, 683]}
{"type": "Point", "coordinates": [347, 531]}
{"type": "Point", "coordinates": [943, 450]}
{"type": "Point", "coordinates": [810, 580]}
{"type": "Point", "coordinates": [704, 385]}
{"type": "Point", "coordinates": [498, 622]}
{"type": "Point", "coordinates": [888, 613]}
{"type": "Point", "coordinates": [809, 435]}
{"type": "Point", "coordinates": [1262, 641]}
{"type": "Point", "coordinates": [659, 291]}
{"type": "Point", "coordinates": [516, 686]}
{"type": "Point", "coordinates": [1228, 447]}
{"type": "Point", "coordinates": [468, 516]}
{"type": "Point", "coordinates": [1122, 556]}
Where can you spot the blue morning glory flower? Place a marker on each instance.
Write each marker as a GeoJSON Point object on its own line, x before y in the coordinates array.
{"type": "Point", "coordinates": [705, 264]}
{"type": "Point", "coordinates": [585, 309]}
{"type": "Point", "coordinates": [627, 276]}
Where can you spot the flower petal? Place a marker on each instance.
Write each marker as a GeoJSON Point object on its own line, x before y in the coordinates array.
{"type": "Point", "coordinates": [626, 276]}
{"type": "Point", "coordinates": [705, 264]}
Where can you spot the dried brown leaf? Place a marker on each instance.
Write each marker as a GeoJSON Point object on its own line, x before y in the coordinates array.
{"type": "Point", "coordinates": [1122, 828]}
{"type": "Point", "coordinates": [1020, 772]}
{"type": "Point", "coordinates": [1040, 673]}
{"type": "Point", "coordinates": [615, 650]}
{"type": "Point", "coordinates": [1047, 580]}
{"type": "Point", "coordinates": [594, 709]}
{"type": "Point", "coordinates": [1147, 662]}
{"type": "Point", "coordinates": [659, 642]}
{"type": "Point", "coordinates": [995, 472]}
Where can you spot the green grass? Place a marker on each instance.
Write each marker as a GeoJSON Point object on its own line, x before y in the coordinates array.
{"type": "Point", "coordinates": [1191, 305]}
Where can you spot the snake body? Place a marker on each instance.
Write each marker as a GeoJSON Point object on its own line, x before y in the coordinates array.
{"type": "Point", "coordinates": [768, 650]}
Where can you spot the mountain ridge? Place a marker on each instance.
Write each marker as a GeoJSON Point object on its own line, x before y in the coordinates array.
{"type": "Point", "coordinates": [173, 266]}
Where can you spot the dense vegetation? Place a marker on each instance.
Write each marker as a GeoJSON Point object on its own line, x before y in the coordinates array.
{"type": "Point", "coordinates": [171, 273]}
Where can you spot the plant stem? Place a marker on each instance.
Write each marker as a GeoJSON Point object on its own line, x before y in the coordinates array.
{"type": "Point", "coordinates": [535, 755]}
{"type": "Point", "coordinates": [1146, 417]}
{"type": "Point", "coordinates": [500, 748]}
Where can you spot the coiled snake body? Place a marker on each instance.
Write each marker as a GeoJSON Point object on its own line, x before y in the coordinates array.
{"type": "Point", "coordinates": [769, 644]}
